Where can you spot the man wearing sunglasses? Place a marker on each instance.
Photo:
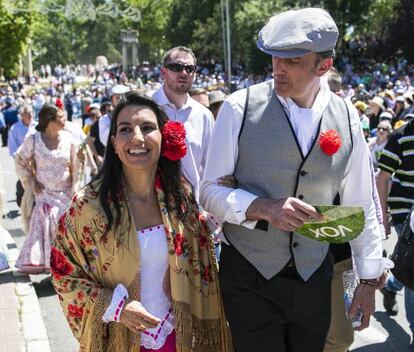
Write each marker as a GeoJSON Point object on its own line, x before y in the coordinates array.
{"type": "Point", "coordinates": [178, 73]}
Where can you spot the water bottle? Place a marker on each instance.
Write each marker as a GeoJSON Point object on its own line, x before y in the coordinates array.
{"type": "Point", "coordinates": [351, 281]}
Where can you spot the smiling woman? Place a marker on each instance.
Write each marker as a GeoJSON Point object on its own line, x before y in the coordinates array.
{"type": "Point", "coordinates": [137, 141]}
{"type": "Point", "coordinates": [133, 260]}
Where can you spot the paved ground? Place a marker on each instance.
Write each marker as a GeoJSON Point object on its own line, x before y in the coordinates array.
{"type": "Point", "coordinates": [50, 312]}
{"type": "Point", "coordinates": [385, 334]}
{"type": "Point", "coordinates": [22, 327]}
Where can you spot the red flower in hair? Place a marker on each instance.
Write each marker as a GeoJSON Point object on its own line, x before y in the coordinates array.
{"type": "Point", "coordinates": [58, 264]}
{"type": "Point", "coordinates": [330, 142]}
{"type": "Point", "coordinates": [173, 140]}
{"type": "Point", "coordinates": [59, 103]}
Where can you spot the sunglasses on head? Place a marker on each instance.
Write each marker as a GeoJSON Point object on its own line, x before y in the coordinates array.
{"type": "Point", "coordinates": [176, 67]}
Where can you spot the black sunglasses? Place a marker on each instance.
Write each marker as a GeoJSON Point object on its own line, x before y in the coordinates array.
{"type": "Point", "coordinates": [176, 67]}
{"type": "Point", "coordinates": [382, 129]}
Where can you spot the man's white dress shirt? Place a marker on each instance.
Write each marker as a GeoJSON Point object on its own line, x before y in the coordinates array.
{"type": "Point", "coordinates": [104, 124]}
{"type": "Point", "coordinates": [199, 124]}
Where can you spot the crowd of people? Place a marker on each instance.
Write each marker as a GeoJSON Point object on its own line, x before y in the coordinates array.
{"type": "Point", "coordinates": [128, 209]}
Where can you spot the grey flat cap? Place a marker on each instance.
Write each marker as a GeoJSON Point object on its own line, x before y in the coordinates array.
{"type": "Point", "coordinates": [295, 33]}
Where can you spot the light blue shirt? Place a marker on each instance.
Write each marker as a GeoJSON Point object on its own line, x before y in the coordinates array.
{"type": "Point", "coordinates": [17, 133]}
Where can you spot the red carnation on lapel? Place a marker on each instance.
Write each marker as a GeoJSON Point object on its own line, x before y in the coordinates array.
{"type": "Point", "coordinates": [173, 140]}
{"type": "Point", "coordinates": [330, 142]}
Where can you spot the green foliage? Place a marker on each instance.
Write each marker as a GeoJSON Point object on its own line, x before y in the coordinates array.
{"type": "Point", "coordinates": [198, 24]}
{"type": "Point", "coordinates": [59, 40]}
{"type": "Point", "coordinates": [14, 31]}
{"type": "Point", "coordinates": [154, 26]}
{"type": "Point", "coordinates": [185, 17]}
{"type": "Point", "coordinates": [378, 16]}
{"type": "Point", "coordinates": [400, 36]}
{"type": "Point", "coordinates": [207, 38]}
{"type": "Point", "coordinates": [249, 18]}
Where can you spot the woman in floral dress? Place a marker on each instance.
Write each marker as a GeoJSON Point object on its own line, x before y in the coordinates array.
{"type": "Point", "coordinates": [45, 163]}
{"type": "Point", "coordinates": [133, 262]}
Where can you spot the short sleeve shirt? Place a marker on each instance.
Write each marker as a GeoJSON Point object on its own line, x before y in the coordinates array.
{"type": "Point", "coordinates": [397, 158]}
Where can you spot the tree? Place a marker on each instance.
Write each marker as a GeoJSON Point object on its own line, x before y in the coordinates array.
{"type": "Point", "coordinates": [15, 30]}
{"type": "Point", "coordinates": [184, 18]}
{"type": "Point", "coordinates": [400, 34]}
{"type": "Point", "coordinates": [153, 27]}
{"type": "Point", "coordinates": [249, 18]}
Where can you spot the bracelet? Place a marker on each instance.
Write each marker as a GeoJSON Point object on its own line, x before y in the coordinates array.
{"type": "Point", "coordinates": [369, 282]}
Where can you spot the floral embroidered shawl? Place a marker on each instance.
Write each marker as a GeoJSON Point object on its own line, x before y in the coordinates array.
{"type": "Point", "coordinates": [85, 272]}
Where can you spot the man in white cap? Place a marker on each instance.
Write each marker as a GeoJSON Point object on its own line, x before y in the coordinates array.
{"type": "Point", "coordinates": [105, 121]}
{"type": "Point", "coordinates": [276, 283]}
{"type": "Point", "coordinates": [99, 131]}
{"type": "Point", "coordinates": [178, 74]}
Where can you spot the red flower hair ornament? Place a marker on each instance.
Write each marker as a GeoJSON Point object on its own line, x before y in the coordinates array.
{"type": "Point", "coordinates": [330, 142]}
{"type": "Point", "coordinates": [173, 145]}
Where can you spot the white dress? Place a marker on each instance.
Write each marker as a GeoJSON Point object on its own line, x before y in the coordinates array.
{"type": "Point", "coordinates": [155, 288]}
{"type": "Point", "coordinates": [53, 171]}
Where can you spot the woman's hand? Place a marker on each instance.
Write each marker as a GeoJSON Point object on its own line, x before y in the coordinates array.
{"type": "Point", "coordinates": [227, 181]}
{"type": "Point", "coordinates": [38, 187]}
{"type": "Point", "coordinates": [136, 318]}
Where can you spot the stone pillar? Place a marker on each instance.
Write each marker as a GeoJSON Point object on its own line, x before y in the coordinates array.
{"type": "Point", "coordinates": [124, 57]}
{"type": "Point", "coordinates": [129, 37]}
{"type": "Point", "coordinates": [135, 54]}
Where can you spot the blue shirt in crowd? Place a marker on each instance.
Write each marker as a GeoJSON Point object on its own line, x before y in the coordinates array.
{"type": "Point", "coordinates": [17, 133]}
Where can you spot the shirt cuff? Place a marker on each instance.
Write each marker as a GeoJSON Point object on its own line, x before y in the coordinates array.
{"type": "Point", "coordinates": [372, 268]}
{"type": "Point", "coordinates": [114, 310]}
{"type": "Point", "coordinates": [239, 201]}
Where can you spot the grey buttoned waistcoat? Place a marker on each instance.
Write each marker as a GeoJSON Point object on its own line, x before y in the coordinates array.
{"type": "Point", "coordinates": [271, 165]}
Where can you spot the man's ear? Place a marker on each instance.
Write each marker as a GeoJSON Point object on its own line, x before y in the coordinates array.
{"type": "Point", "coordinates": [324, 66]}
{"type": "Point", "coordinates": [163, 69]}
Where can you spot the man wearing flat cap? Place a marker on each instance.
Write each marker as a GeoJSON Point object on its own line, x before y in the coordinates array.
{"type": "Point", "coordinates": [276, 283]}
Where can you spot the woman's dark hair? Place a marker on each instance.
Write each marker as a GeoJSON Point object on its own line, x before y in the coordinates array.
{"type": "Point", "coordinates": [46, 114]}
{"type": "Point", "coordinates": [112, 176]}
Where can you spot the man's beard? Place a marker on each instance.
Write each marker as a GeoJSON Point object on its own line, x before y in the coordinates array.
{"type": "Point", "coordinates": [182, 88]}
